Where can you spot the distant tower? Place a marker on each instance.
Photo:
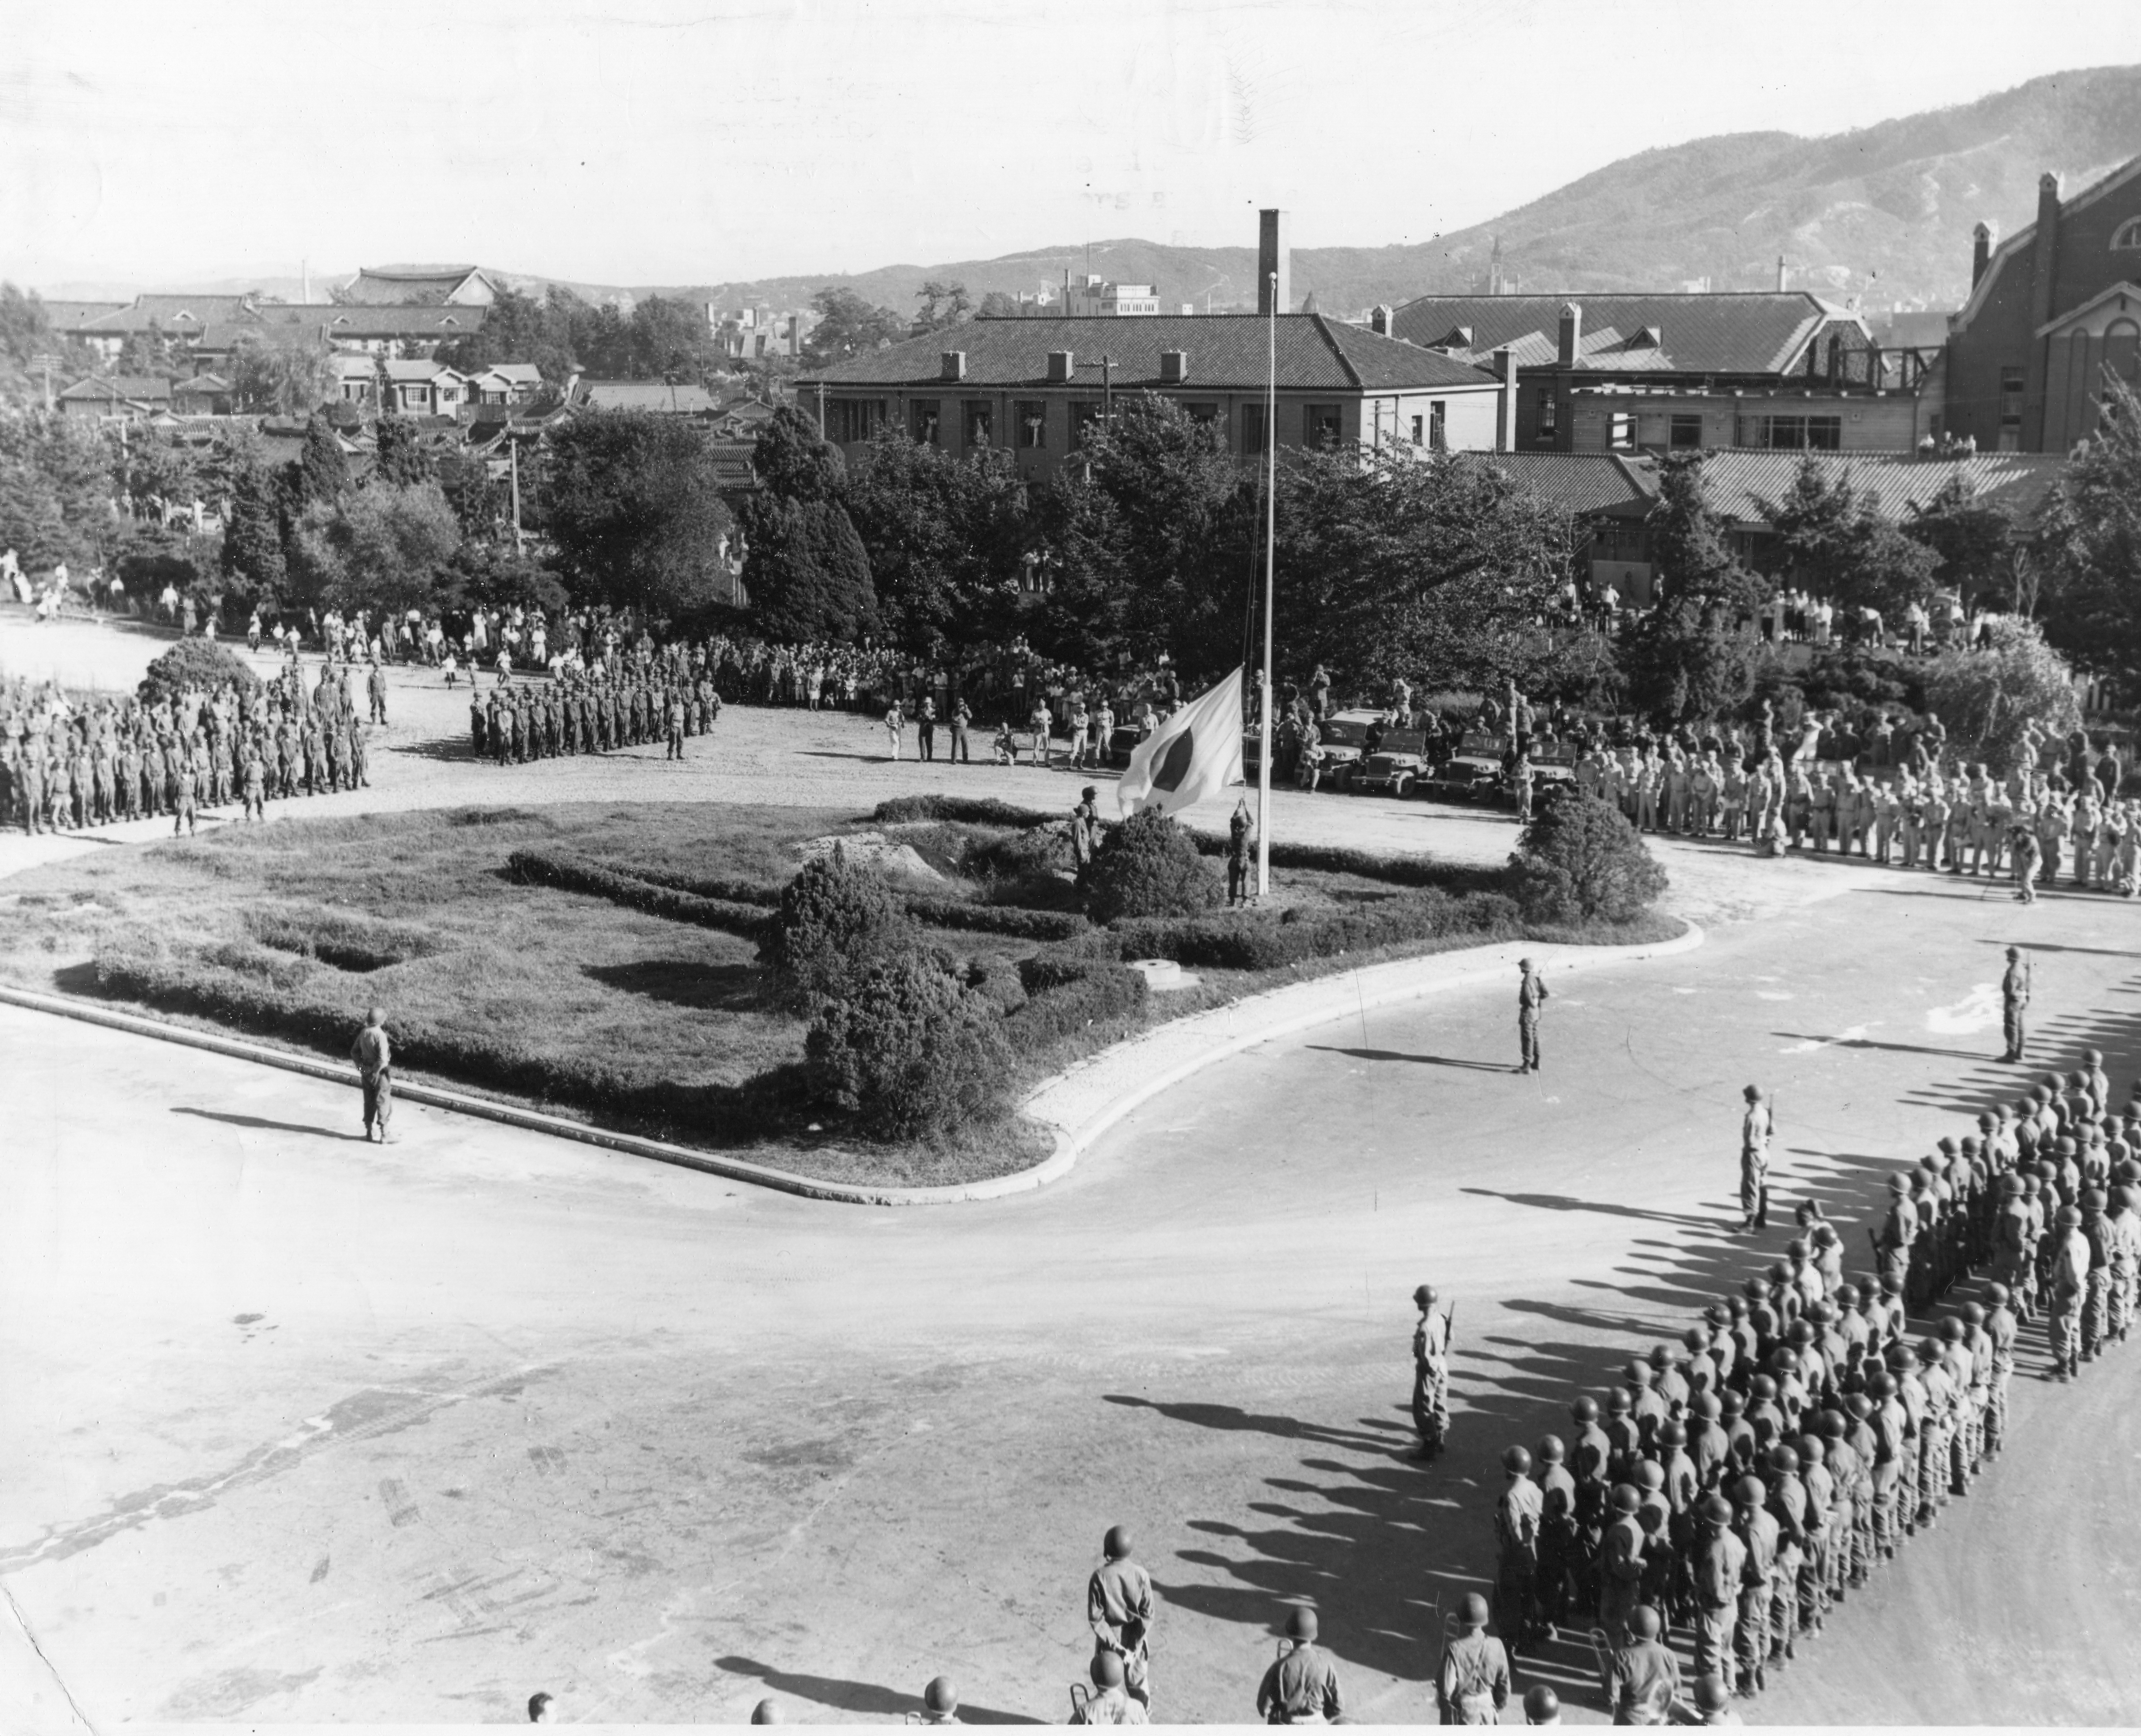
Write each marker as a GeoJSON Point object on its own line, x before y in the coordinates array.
{"type": "Point", "coordinates": [1273, 255]}
{"type": "Point", "coordinates": [1494, 281]}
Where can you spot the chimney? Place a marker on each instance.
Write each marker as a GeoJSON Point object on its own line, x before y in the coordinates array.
{"type": "Point", "coordinates": [1571, 333]}
{"type": "Point", "coordinates": [1981, 252]}
{"type": "Point", "coordinates": [1059, 367]}
{"type": "Point", "coordinates": [1783, 282]}
{"type": "Point", "coordinates": [2046, 250]}
{"type": "Point", "coordinates": [1174, 367]}
{"type": "Point", "coordinates": [1505, 400]}
{"type": "Point", "coordinates": [1273, 255]}
{"type": "Point", "coordinates": [1378, 321]}
{"type": "Point", "coordinates": [954, 365]}
{"type": "Point", "coordinates": [1494, 268]}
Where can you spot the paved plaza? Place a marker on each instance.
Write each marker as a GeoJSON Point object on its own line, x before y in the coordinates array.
{"type": "Point", "coordinates": [303, 1430]}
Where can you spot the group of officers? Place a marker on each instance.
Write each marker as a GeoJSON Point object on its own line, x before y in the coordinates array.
{"type": "Point", "coordinates": [616, 702]}
{"type": "Point", "coordinates": [1739, 1486]}
{"type": "Point", "coordinates": [69, 766]}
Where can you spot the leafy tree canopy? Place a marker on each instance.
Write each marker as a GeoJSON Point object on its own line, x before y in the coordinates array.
{"type": "Point", "coordinates": [634, 508]}
{"type": "Point", "coordinates": [849, 325]}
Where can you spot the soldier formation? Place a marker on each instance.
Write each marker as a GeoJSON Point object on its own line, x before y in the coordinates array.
{"type": "Point", "coordinates": [1740, 1486]}
{"type": "Point", "coordinates": [68, 764]}
{"type": "Point", "coordinates": [620, 701]}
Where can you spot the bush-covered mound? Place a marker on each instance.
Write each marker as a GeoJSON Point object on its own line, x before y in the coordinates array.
{"type": "Point", "coordinates": [200, 664]}
{"type": "Point", "coordinates": [1149, 867]}
{"type": "Point", "coordinates": [835, 923]}
{"type": "Point", "coordinates": [1579, 859]}
{"type": "Point", "coordinates": [911, 1052]}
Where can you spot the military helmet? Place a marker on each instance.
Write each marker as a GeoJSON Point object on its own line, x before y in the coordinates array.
{"type": "Point", "coordinates": [1899, 1182]}
{"type": "Point", "coordinates": [1706, 1406]}
{"type": "Point", "coordinates": [1749, 1492]}
{"type": "Point", "coordinates": [1425, 1297]}
{"type": "Point", "coordinates": [1733, 1400]}
{"type": "Point", "coordinates": [1996, 1294]}
{"type": "Point", "coordinates": [1542, 1705]}
{"type": "Point", "coordinates": [1585, 1409]}
{"type": "Point", "coordinates": [1643, 1622]}
{"type": "Point", "coordinates": [1711, 1692]}
{"type": "Point", "coordinates": [941, 1695]}
{"type": "Point", "coordinates": [1636, 1373]}
{"type": "Point", "coordinates": [2093, 1200]}
{"type": "Point", "coordinates": [1846, 1295]}
{"type": "Point", "coordinates": [1618, 1403]}
{"type": "Point", "coordinates": [1117, 1543]}
{"type": "Point", "coordinates": [1783, 1459]}
{"type": "Point", "coordinates": [1696, 1339]}
{"type": "Point", "coordinates": [1880, 1384]}
{"type": "Point", "coordinates": [1801, 1332]}
{"type": "Point", "coordinates": [1783, 1360]}
{"type": "Point", "coordinates": [1795, 1249]}
{"type": "Point", "coordinates": [1516, 1461]}
{"type": "Point", "coordinates": [1550, 1450]}
{"type": "Point", "coordinates": [2070, 1218]}
{"type": "Point", "coordinates": [1299, 1623]}
{"type": "Point", "coordinates": [1473, 1611]}
{"type": "Point", "coordinates": [1716, 1510]}
{"type": "Point", "coordinates": [1650, 1476]}
{"type": "Point", "coordinates": [766, 1711]}
{"type": "Point", "coordinates": [1107, 1670]}
{"type": "Point", "coordinates": [1763, 1387]}
{"type": "Point", "coordinates": [1626, 1498]}
{"type": "Point", "coordinates": [1974, 1313]}
{"type": "Point", "coordinates": [1860, 1404]}
{"type": "Point", "coordinates": [1832, 1424]}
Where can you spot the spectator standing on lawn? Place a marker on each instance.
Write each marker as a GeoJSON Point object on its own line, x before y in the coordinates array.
{"type": "Point", "coordinates": [374, 1055]}
{"type": "Point", "coordinates": [895, 726]}
{"type": "Point", "coordinates": [1040, 721]}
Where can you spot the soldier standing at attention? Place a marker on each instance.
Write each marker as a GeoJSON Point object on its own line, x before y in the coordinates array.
{"type": "Point", "coordinates": [374, 1055]}
{"type": "Point", "coordinates": [1109, 1704]}
{"type": "Point", "coordinates": [375, 690]}
{"type": "Point", "coordinates": [1085, 831]}
{"type": "Point", "coordinates": [1302, 1686]}
{"type": "Point", "coordinates": [2013, 999]}
{"type": "Point", "coordinates": [1119, 1605]}
{"type": "Point", "coordinates": [1431, 1373]}
{"type": "Point", "coordinates": [182, 808]}
{"type": "Point", "coordinates": [1516, 1516]}
{"type": "Point", "coordinates": [925, 720]}
{"type": "Point", "coordinates": [1754, 1130]}
{"type": "Point", "coordinates": [1474, 1686]}
{"type": "Point", "coordinates": [962, 717]}
{"type": "Point", "coordinates": [1531, 994]}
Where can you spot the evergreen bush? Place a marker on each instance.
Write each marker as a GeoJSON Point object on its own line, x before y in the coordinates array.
{"type": "Point", "coordinates": [835, 923]}
{"type": "Point", "coordinates": [1150, 867]}
{"type": "Point", "coordinates": [1579, 858]}
{"type": "Point", "coordinates": [911, 1052]}
{"type": "Point", "coordinates": [200, 664]}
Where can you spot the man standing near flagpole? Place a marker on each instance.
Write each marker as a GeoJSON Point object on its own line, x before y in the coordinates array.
{"type": "Point", "coordinates": [1196, 753]}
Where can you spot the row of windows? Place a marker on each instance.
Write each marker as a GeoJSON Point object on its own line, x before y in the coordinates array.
{"type": "Point", "coordinates": [849, 419]}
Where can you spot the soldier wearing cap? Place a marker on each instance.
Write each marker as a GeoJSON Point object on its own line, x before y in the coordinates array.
{"type": "Point", "coordinates": [1473, 1685]}
{"type": "Point", "coordinates": [1755, 1127]}
{"type": "Point", "coordinates": [1120, 1608]}
{"type": "Point", "coordinates": [1302, 1686]}
{"type": "Point", "coordinates": [2014, 1000]}
{"type": "Point", "coordinates": [1531, 995]}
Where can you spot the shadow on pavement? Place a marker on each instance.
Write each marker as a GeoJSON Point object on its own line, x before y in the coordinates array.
{"type": "Point", "coordinates": [266, 1126]}
{"type": "Point", "coordinates": [866, 1698]}
{"type": "Point", "coordinates": [1426, 1060]}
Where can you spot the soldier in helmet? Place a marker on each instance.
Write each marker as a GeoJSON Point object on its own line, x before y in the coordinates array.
{"type": "Point", "coordinates": [1516, 1518]}
{"type": "Point", "coordinates": [1758, 1530]}
{"type": "Point", "coordinates": [1718, 1570]}
{"type": "Point", "coordinates": [2067, 1284]}
{"type": "Point", "coordinates": [940, 1701]}
{"type": "Point", "coordinates": [1119, 1605]}
{"type": "Point", "coordinates": [1541, 1706]}
{"type": "Point", "coordinates": [1560, 1542]}
{"type": "Point", "coordinates": [2014, 1000]}
{"type": "Point", "coordinates": [1430, 1372]}
{"type": "Point", "coordinates": [1644, 1678]}
{"type": "Point", "coordinates": [1473, 1685]}
{"type": "Point", "coordinates": [1302, 1686]}
{"type": "Point", "coordinates": [1621, 1564]}
{"type": "Point", "coordinates": [1755, 1129]}
{"type": "Point", "coordinates": [1108, 1704]}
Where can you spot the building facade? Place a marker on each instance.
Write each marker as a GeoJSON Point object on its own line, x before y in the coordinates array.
{"type": "Point", "coordinates": [2052, 310]}
{"type": "Point", "coordinates": [1035, 386]}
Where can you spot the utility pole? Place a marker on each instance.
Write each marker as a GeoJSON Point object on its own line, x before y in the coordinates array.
{"type": "Point", "coordinates": [513, 450]}
{"type": "Point", "coordinates": [1270, 543]}
{"type": "Point", "coordinates": [47, 362]}
{"type": "Point", "coordinates": [1107, 389]}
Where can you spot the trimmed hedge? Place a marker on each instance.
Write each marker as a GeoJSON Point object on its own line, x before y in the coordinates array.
{"type": "Point", "coordinates": [1072, 1004]}
{"type": "Point", "coordinates": [1419, 871]}
{"type": "Point", "coordinates": [271, 996]}
{"type": "Point", "coordinates": [973, 810]}
{"type": "Point", "coordinates": [707, 885]}
{"type": "Point", "coordinates": [1011, 919]}
{"type": "Point", "coordinates": [345, 939]}
{"type": "Point", "coordinates": [539, 867]}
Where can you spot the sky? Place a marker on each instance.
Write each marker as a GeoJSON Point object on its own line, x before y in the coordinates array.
{"type": "Point", "coordinates": [714, 141]}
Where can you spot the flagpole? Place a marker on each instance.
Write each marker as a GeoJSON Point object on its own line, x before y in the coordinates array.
{"type": "Point", "coordinates": [1271, 541]}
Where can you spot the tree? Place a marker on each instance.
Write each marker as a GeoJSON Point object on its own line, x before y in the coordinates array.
{"type": "Point", "coordinates": [1580, 859]}
{"type": "Point", "coordinates": [849, 325]}
{"type": "Point", "coordinates": [399, 456]}
{"type": "Point", "coordinates": [996, 304]}
{"type": "Point", "coordinates": [942, 305]}
{"type": "Point", "coordinates": [1976, 539]}
{"type": "Point", "coordinates": [286, 374]}
{"type": "Point", "coordinates": [836, 922]}
{"type": "Point", "coordinates": [517, 327]}
{"type": "Point", "coordinates": [1987, 697]}
{"type": "Point", "coordinates": [2087, 537]}
{"type": "Point", "coordinates": [322, 471]}
{"type": "Point", "coordinates": [1842, 549]}
{"type": "Point", "coordinates": [807, 571]}
{"type": "Point", "coordinates": [494, 577]}
{"type": "Point", "coordinates": [635, 510]}
{"type": "Point", "coordinates": [26, 336]}
{"type": "Point", "coordinates": [146, 353]}
{"type": "Point", "coordinates": [1147, 866]}
{"type": "Point", "coordinates": [252, 561]}
{"type": "Point", "coordinates": [55, 490]}
{"type": "Point", "coordinates": [385, 546]}
{"type": "Point", "coordinates": [792, 460]}
{"type": "Point", "coordinates": [944, 537]}
{"type": "Point", "coordinates": [1695, 655]}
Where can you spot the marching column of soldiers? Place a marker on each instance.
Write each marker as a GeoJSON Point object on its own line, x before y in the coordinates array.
{"type": "Point", "coordinates": [69, 765]}
{"type": "Point", "coordinates": [1739, 1486]}
{"type": "Point", "coordinates": [620, 701]}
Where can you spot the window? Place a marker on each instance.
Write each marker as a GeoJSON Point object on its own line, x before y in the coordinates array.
{"type": "Point", "coordinates": [1252, 430]}
{"type": "Point", "coordinates": [1438, 426]}
{"type": "Point", "coordinates": [923, 415]}
{"type": "Point", "coordinates": [1205, 414]}
{"type": "Point", "coordinates": [1687, 432]}
{"type": "Point", "coordinates": [1799, 433]}
{"type": "Point", "coordinates": [849, 419]}
{"type": "Point", "coordinates": [2129, 236]}
{"type": "Point", "coordinates": [1085, 414]}
{"type": "Point", "coordinates": [1032, 425]}
{"type": "Point", "coordinates": [1621, 431]}
{"type": "Point", "coordinates": [1320, 426]}
{"type": "Point", "coordinates": [980, 424]}
{"type": "Point", "coordinates": [1549, 414]}
{"type": "Point", "coordinates": [1418, 437]}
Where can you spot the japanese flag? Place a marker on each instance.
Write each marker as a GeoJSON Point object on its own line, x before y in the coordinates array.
{"type": "Point", "coordinates": [1195, 754]}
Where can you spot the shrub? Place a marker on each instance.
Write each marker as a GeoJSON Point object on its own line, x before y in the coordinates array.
{"type": "Point", "coordinates": [911, 1052]}
{"type": "Point", "coordinates": [1021, 924]}
{"type": "Point", "coordinates": [539, 867]}
{"type": "Point", "coordinates": [1580, 859]}
{"type": "Point", "coordinates": [1366, 864]}
{"type": "Point", "coordinates": [835, 923]}
{"type": "Point", "coordinates": [200, 664]}
{"type": "Point", "coordinates": [1098, 993]}
{"type": "Point", "coordinates": [971, 811]}
{"type": "Point", "coordinates": [1032, 853]}
{"type": "Point", "coordinates": [344, 939]}
{"type": "Point", "coordinates": [1149, 867]}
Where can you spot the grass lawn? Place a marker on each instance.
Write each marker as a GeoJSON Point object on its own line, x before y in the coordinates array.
{"type": "Point", "coordinates": [588, 1007]}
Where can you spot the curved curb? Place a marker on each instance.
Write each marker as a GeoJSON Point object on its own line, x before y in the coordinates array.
{"type": "Point", "coordinates": [1079, 1105]}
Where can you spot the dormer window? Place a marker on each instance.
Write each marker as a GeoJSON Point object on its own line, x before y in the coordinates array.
{"type": "Point", "coordinates": [2127, 239]}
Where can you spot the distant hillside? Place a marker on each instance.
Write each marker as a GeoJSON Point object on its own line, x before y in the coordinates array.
{"type": "Point", "coordinates": [1884, 213]}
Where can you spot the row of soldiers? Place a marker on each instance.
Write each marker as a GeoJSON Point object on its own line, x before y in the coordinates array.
{"type": "Point", "coordinates": [592, 712]}
{"type": "Point", "coordinates": [72, 766]}
{"type": "Point", "coordinates": [1740, 1486]}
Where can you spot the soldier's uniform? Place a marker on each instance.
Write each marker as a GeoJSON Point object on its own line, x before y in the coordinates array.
{"type": "Point", "coordinates": [1720, 1570]}
{"type": "Point", "coordinates": [2014, 1000]}
{"type": "Point", "coordinates": [374, 1055]}
{"type": "Point", "coordinates": [1754, 1130]}
{"type": "Point", "coordinates": [1473, 1685]}
{"type": "Point", "coordinates": [182, 807]}
{"type": "Point", "coordinates": [1757, 1529]}
{"type": "Point", "coordinates": [1301, 1688]}
{"type": "Point", "coordinates": [1118, 1608]}
{"type": "Point", "coordinates": [2067, 1275]}
{"type": "Point", "coordinates": [1430, 1378]}
{"type": "Point", "coordinates": [1516, 1516]}
{"type": "Point", "coordinates": [1531, 994]}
